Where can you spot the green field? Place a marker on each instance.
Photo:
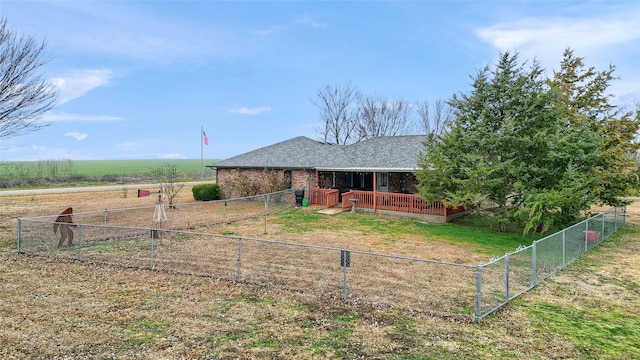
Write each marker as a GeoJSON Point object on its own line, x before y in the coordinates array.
{"type": "Point", "coordinates": [26, 174]}
{"type": "Point", "coordinates": [136, 167]}
{"type": "Point", "coordinates": [95, 168]}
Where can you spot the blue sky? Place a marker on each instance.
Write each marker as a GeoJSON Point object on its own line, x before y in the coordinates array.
{"type": "Point", "coordinates": [138, 79]}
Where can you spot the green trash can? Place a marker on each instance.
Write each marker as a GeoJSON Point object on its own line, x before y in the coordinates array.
{"type": "Point", "coordinates": [305, 202]}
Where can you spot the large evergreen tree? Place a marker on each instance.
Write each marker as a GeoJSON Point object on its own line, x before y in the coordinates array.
{"type": "Point", "coordinates": [584, 100]}
{"type": "Point", "coordinates": [518, 150]}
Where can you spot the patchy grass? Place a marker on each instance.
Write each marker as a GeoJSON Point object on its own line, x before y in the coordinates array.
{"type": "Point", "coordinates": [72, 310]}
{"type": "Point", "coordinates": [613, 333]}
{"type": "Point", "coordinates": [483, 240]}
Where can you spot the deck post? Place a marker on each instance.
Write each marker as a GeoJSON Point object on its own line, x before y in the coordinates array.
{"type": "Point", "coordinates": [444, 204]}
{"type": "Point", "coordinates": [375, 196]}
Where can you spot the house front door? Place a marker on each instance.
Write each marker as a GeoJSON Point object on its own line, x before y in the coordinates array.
{"type": "Point", "coordinates": [382, 181]}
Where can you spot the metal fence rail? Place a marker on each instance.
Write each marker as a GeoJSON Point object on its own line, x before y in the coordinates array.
{"type": "Point", "coordinates": [440, 288]}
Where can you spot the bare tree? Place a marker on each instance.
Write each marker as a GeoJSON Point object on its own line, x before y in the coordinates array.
{"type": "Point", "coordinates": [433, 121]}
{"type": "Point", "coordinates": [338, 113]}
{"type": "Point", "coordinates": [169, 175]}
{"type": "Point", "coordinates": [25, 95]}
{"type": "Point", "coordinates": [379, 117]}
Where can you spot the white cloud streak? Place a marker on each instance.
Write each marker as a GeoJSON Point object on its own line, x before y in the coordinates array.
{"type": "Point", "coordinates": [172, 156]}
{"type": "Point", "coordinates": [249, 111]}
{"type": "Point", "coordinates": [79, 83]}
{"type": "Point", "coordinates": [63, 116]}
{"type": "Point", "coordinates": [77, 136]}
{"type": "Point", "coordinates": [308, 20]}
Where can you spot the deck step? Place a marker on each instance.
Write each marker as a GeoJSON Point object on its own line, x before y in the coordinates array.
{"type": "Point", "coordinates": [331, 211]}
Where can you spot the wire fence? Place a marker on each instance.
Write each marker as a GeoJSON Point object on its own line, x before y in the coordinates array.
{"type": "Point", "coordinates": [188, 216]}
{"type": "Point", "coordinates": [462, 291]}
{"type": "Point", "coordinates": [507, 277]}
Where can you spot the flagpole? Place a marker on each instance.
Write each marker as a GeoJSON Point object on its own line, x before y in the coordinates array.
{"type": "Point", "coordinates": [201, 153]}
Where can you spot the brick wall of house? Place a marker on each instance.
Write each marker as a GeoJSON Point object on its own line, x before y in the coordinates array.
{"type": "Point", "coordinates": [303, 179]}
{"type": "Point", "coordinates": [299, 179]}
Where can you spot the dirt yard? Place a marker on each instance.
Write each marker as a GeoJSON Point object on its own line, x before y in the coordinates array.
{"type": "Point", "coordinates": [71, 310]}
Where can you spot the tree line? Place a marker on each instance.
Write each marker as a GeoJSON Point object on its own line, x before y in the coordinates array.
{"type": "Point", "coordinates": [347, 116]}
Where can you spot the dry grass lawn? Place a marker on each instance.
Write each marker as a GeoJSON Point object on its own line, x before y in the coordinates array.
{"type": "Point", "coordinates": [71, 310]}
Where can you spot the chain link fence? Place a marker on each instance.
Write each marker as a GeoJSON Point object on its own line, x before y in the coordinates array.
{"type": "Point", "coordinates": [468, 292]}
{"type": "Point", "coordinates": [504, 278]}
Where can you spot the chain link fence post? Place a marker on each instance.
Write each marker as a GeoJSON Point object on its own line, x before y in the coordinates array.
{"type": "Point", "coordinates": [534, 270]}
{"type": "Point", "coordinates": [344, 262]}
{"type": "Point", "coordinates": [153, 245]}
{"type": "Point", "coordinates": [19, 235]}
{"type": "Point", "coordinates": [172, 208]}
{"type": "Point", "coordinates": [586, 236]}
{"type": "Point", "coordinates": [224, 216]}
{"type": "Point", "coordinates": [266, 210]}
{"type": "Point", "coordinates": [478, 294]}
{"type": "Point", "coordinates": [79, 242]}
{"type": "Point", "coordinates": [239, 277]}
{"type": "Point", "coordinates": [104, 232]}
{"type": "Point", "coordinates": [564, 248]}
{"type": "Point", "coordinates": [506, 277]}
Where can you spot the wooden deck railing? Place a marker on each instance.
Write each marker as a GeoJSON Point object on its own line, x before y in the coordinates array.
{"type": "Point", "coordinates": [326, 197]}
{"type": "Point", "coordinates": [407, 203]}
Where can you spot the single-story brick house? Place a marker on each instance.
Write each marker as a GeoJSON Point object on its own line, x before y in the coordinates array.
{"type": "Point", "coordinates": [378, 172]}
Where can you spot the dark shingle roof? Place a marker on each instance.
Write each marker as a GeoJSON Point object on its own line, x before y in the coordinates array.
{"type": "Point", "coordinates": [388, 153]}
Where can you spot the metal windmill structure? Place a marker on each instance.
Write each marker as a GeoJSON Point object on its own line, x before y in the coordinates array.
{"type": "Point", "coordinates": [159, 223]}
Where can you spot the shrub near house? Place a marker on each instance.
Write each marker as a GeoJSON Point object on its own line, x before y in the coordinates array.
{"type": "Point", "coordinates": [206, 192]}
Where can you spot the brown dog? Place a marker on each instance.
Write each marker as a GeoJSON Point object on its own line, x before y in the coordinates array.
{"type": "Point", "coordinates": [65, 223]}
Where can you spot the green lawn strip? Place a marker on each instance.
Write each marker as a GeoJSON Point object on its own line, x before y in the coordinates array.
{"type": "Point", "coordinates": [598, 333]}
{"type": "Point", "coordinates": [484, 241]}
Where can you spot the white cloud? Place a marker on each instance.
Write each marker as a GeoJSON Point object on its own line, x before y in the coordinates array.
{"type": "Point", "coordinates": [79, 83]}
{"type": "Point", "coordinates": [123, 30]}
{"type": "Point", "coordinates": [63, 116]}
{"type": "Point", "coordinates": [172, 156]}
{"type": "Point", "coordinates": [76, 135]}
{"type": "Point", "coordinates": [271, 30]}
{"type": "Point", "coordinates": [250, 111]}
{"type": "Point", "coordinates": [603, 39]}
{"type": "Point", "coordinates": [307, 20]}
{"type": "Point", "coordinates": [558, 32]}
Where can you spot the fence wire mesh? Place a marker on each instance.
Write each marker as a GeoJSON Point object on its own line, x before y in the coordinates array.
{"type": "Point", "coordinates": [123, 237]}
{"type": "Point", "coordinates": [509, 276]}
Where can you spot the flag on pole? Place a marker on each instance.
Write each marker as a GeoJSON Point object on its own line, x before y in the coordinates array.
{"type": "Point", "coordinates": [205, 138]}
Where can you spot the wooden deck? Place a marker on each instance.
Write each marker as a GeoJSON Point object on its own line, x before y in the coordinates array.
{"type": "Point", "coordinates": [383, 201]}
